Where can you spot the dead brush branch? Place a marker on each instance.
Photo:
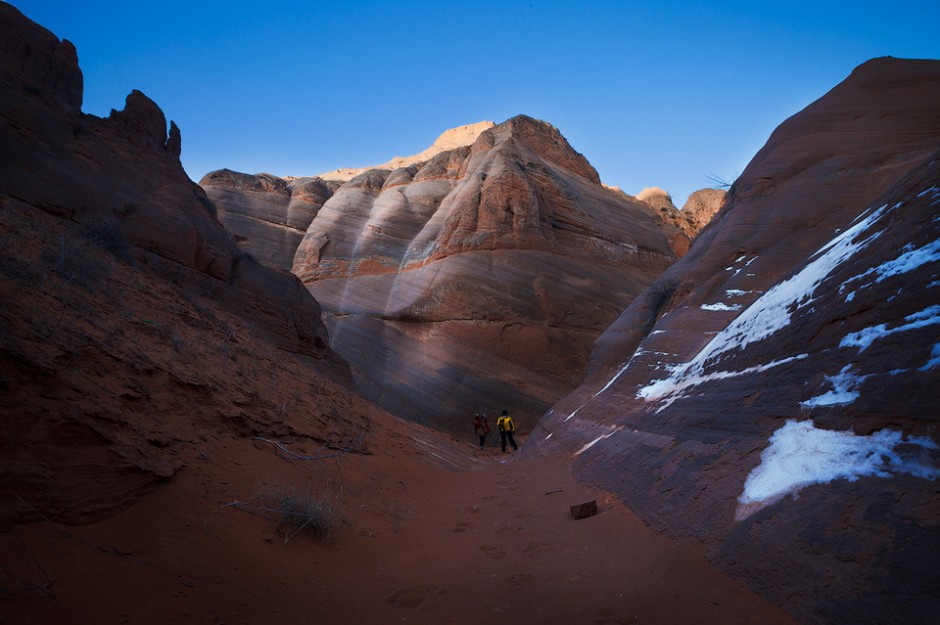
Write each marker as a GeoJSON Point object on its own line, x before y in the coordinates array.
{"type": "Point", "coordinates": [281, 448]}
{"type": "Point", "coordinates": [18, 580]}
{"type": "Point", "coordinates": [355, 446]}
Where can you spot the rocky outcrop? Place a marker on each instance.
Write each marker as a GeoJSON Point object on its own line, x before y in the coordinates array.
{"type": "Point", "coordinates": [478, 280]}
{"type": "Point", "coordinates": [268, 215]}
{"type": "Point", "coordinates": [131, 328]}
{"type": "Point", "coordinates": [657, 199]}
{"type": "Point", "coordinates": [103, 178]}
{"type": "Point", "coordinates": [699, 209]}
{"type": "Point", "coordinates": [771, 393]}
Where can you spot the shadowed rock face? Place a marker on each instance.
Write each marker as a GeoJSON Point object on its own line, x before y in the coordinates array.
{"type": "Point", "coordinates": [104, 177]}
{"type": "Point", "coordinates": [130, 324]}
{"type": "Point", "coordinates": [268, 215]}
{"type": "Point", "coordinates": [478, 280]}
{"type": "Point", "coordinates": [811, 302]}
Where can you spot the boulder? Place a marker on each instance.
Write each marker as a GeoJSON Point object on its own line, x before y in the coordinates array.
{"type": "Point", "coordinates": [584, 510]}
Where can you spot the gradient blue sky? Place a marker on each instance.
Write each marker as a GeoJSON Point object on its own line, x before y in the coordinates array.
{"type": "Point", "coordinates": [652, 93]}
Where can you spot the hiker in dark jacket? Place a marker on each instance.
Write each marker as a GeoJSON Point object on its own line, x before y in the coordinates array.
{"type": "Point", "coordinates": [481, 428]}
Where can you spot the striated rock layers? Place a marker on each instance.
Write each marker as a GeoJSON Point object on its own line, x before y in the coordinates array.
{"type": "Point", "coordinates": [479, 279]}
{"type": "Point", "coordinates": [268, 215]}
{"type": "Point", "coordinates": [132, 332]}
{"type": "Point", "coordinates": [773, 394]}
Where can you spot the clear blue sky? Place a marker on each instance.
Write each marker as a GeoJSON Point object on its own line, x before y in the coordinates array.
{"type": "Point", "coordinates": [652, 93]}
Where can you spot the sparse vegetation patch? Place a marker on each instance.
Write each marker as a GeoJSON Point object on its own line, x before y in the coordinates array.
{"type": "Point", "coordinates": [299, 511]}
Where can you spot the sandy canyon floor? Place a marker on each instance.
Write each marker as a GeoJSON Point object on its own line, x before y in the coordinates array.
{"type": "Point", "coordinates": [429, 530]}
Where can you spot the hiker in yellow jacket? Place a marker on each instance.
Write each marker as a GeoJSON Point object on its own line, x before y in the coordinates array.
{"type": "Point", "coordinates": [506, 427]}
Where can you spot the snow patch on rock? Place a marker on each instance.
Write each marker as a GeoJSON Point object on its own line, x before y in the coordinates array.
{"type": "Point", "coordinates": [843, 390]}
{"type": "Point", "coordinates": [717, 306]}
{"type": "Point", "coordinates": [800, 454]}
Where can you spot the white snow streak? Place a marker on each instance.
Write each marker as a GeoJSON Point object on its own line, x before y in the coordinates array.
{"type": "Point", "coordinates": [670, 388]}
{"type": "Point", "coordinates": [910, 260]}
{"type": "Point", "coordinates": [865, 337]}
{"type": "Point", "coordinates": [934, 361]}
{"type": "Point", "coordinates": [596, 440]}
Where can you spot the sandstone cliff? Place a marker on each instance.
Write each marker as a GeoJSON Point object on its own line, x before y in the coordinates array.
{"type": "Point", "coordinates": [479, 279]}
{"type": "Point", "coordinates": [132, 331]}
{"type": "Point", "coordinates": [772, 394]}
{"type": "Point", "coordinates": [268, 215]}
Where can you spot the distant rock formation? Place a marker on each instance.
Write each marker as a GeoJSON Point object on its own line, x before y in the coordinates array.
{"type": "Point", "coordinates": [452, 139]}
{"type": "Point", "coordinates": [656, 198]}
{"type": "Point", "coordinates": [477, 280]}
{"type": "Point", "coordinates": [132, 330]}
{"type": "Point", "coordinates": [698, 210]}
{"type": "Point", "coordinates": [773, 393]}
{"type": "Point", "coordinates": [268, 215]}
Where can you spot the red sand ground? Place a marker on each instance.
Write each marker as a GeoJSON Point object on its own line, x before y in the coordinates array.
{"type": "Point", "coordinates": [430, 531]}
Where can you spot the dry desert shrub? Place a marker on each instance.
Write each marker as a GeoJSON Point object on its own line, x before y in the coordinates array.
{"type": "Point", "coordinates": [108, 235]}
{"type": "Point", "coordinates": [659, 293]}
{"type": "Point", "coordinates": [73, 259]}
{"type": "Point", "coordinates": [297, 511]}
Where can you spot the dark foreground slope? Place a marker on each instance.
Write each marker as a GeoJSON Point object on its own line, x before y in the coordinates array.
{"type": "Point", "coordinates": [131, 329]}
{"type": "Point", "coordinates": [774, 393]}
